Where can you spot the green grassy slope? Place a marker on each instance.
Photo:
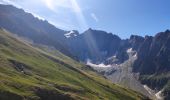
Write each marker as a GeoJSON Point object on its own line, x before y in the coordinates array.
{"type": "Point", "coordinates": [30, 73]}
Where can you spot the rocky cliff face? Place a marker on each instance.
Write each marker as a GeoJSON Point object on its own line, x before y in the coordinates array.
{"type": "Point", "coordinates": [151, 52]}
{"type": "Point", "coordinates": [94, 45]}
{"type": "Point", "coordinates": [153, 61]}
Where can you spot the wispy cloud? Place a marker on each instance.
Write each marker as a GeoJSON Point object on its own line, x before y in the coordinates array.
{"type": "Point", "coordinates": [93, 15]}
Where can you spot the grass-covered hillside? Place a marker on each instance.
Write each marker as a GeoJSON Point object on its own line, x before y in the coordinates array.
{"type": "Point", "coordinates": [28, 73]}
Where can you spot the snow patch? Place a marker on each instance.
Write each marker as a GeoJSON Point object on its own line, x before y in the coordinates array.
{"type": "Point", "coordinates": [70, 34]}
{"type": "Point", "coordinates": [114, 56]}
{"type": "Point", "coordinates": [98, 65]}
{"type": "Point", "coordinates": [148, 89]}
{"type": "Point", "coordinates": [129, 50]}
{"type": "Point", "coordinates": [135, 55]}
{"type": "Point", "coordinates": [159, 95]}
{"type": "Point", "coordinates": [131, 53]}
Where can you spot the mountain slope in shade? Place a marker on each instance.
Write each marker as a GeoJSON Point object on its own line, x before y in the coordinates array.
{"type": "Point", "coordinates": [31, 73]}
{"type": "Point", "coordinates": [26, 25]}
{"type": "Point", "coordinates": [153, 62]}
{"type": "Point", "coordinates": [151, 65]}
{"type": "Point", "coordinates": [94, 45]}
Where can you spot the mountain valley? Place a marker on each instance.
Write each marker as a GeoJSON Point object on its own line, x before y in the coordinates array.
{"type": "Point", "coordinates": [41, 62]}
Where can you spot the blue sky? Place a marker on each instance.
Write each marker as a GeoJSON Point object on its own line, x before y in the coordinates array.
{"type": "Point", "coordinates": [121, 17]}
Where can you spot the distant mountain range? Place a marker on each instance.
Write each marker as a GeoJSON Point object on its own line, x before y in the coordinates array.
{"type": "Point", "coordinates": [150, 55]}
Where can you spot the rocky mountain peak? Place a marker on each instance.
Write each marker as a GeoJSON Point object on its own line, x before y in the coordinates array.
{"type": "Point", "coordinates": [136, 38]}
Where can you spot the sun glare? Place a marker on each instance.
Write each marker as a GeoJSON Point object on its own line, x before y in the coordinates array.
{"type": "Point", "coordinates": [56, 4]}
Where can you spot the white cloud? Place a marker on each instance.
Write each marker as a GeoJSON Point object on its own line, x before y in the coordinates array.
{"type": "Point", "coordinates": [93, 15]}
